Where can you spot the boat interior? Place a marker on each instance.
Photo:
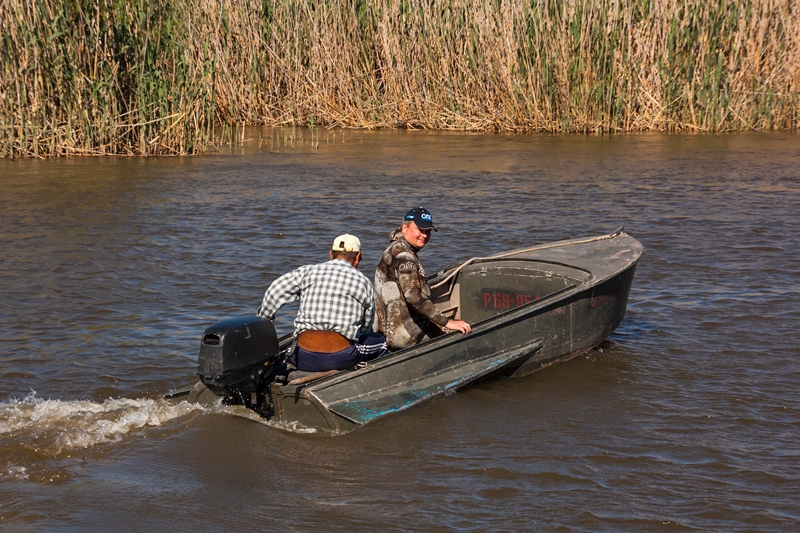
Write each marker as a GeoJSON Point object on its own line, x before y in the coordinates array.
{"type": "Point", "coordinates": [481, 289]}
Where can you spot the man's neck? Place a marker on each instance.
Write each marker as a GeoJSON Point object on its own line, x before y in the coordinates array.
{"type": "Point", "coordinates": [343, 260]}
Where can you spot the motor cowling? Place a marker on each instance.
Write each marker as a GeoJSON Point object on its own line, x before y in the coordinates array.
{"type": "Point", "coordinates": [235, 356]}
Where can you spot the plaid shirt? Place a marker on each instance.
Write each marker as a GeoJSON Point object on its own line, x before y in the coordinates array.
{"type": "Point", "coordinates": [334, 296]}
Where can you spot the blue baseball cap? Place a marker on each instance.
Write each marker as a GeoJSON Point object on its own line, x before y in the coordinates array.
{"type": "Point", "coordinates": [421, 217]}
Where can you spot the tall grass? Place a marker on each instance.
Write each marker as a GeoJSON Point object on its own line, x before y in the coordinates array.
{"type": "Point", "coordinates": [155, 77]}
{"type": "Point", "coordinates": [101, 77]}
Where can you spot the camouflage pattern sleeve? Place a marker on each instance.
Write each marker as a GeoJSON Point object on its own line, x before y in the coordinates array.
{"type": "Point", "coordinates": [416, 292]}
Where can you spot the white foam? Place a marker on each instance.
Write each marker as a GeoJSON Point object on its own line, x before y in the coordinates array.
{"type": "Point", "coordinates": [244, 412]}
{"type": "Point", "coordinates": [16, 472]}
{"type": "Point", "coordinates": [56, 426]}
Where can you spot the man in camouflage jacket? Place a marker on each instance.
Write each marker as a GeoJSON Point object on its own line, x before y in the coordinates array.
{"type": "Point", "coordinates": [406, 314]}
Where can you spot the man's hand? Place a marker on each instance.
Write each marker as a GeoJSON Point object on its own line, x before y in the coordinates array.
{"type": "Point", "coordinates": [458, 325]}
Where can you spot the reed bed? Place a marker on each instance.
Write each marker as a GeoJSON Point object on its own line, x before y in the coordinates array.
{"type": "Point", "coordinates": [161, 76]}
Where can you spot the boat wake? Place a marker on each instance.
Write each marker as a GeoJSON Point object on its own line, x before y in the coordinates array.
{"type": "Point", "coordinates": [34, 429]}
{"type": "Point", "coordinates": [244, 412]}
{"type": "Point", "coordinates": [53, 428]}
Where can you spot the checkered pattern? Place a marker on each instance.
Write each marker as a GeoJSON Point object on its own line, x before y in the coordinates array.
{"type": "Point", "coordinates": [334, 296]}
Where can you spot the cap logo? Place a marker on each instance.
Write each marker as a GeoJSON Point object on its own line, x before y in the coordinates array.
{"type": "Point", "coordinates": [422, 217]}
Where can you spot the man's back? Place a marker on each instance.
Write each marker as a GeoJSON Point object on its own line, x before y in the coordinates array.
{"type": "Point", "coordinates": [334, 296]}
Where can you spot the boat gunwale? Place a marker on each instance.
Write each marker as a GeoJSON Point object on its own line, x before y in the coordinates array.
{"type": "Point", "coordinates": [527, 347]}
{"type": "Point", "coordinates": [451, 271]}
{"type": "Point", "coordinates": [485, 260]}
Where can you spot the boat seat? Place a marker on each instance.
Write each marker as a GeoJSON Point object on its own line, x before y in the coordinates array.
{"type": "Point", "coordinates": [449, 304]}
{"type": "Point", "coordinates": [298, 377]}
{"type": "Point", "coordinates": [297, 374]}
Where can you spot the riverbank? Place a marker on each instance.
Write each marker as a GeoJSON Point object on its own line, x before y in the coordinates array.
{"type": "Point", "coordinates": [162, 77]}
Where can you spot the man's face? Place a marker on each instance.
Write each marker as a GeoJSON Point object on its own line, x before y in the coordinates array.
{"type": "Point", "coordinates": [414, 236]}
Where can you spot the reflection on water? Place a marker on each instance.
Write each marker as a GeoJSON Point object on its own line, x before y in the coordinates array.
{"type": "Point", "coordinates": [686, 419]}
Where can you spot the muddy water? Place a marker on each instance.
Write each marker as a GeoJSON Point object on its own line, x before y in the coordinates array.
{"type": "Point", "coordinates": [686, 419]}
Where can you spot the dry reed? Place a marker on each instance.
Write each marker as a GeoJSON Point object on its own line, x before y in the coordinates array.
{"type": "Point", "coordinates": [155, 77]}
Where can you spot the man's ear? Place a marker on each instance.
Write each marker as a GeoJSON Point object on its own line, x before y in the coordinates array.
{"type": "Point", "coordinates": [330, 253]}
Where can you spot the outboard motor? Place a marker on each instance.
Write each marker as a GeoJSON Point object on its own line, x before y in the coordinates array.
{"type": "Point", "coordinates": [237, 359]}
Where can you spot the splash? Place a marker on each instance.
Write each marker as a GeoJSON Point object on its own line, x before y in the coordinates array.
{"type": "Point", "coordinates": [244, 412]}
{"type": "Point", "coordinates": [55, 427]}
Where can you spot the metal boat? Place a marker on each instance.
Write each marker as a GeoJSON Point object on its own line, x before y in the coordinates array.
{"type": "Point", "coordinates": [529, 308]}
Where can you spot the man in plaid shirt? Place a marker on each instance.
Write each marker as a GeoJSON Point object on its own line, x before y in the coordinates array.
{"type": "Point", "coordinates": [333, 326]}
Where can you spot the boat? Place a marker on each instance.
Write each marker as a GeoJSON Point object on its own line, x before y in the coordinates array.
{"type": "Point", "coordinates": [529, 308]}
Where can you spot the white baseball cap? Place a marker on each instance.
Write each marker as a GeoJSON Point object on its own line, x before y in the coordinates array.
{"type": "Point", "coordinates": [346, 243]}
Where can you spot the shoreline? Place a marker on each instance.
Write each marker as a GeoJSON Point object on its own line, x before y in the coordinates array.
{"type": "Point", "coordinates": [84, 78]}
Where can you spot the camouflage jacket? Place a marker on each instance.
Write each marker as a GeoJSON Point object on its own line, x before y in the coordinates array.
{"type": "Point", "coordinates": [406, 315]}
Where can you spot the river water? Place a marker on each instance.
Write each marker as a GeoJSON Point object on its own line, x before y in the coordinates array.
{"type": "Point", "coordinates": [686, 419]}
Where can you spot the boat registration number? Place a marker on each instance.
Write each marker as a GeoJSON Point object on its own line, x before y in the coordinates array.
{"type": "Point", "coordinates": [505, 300]}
